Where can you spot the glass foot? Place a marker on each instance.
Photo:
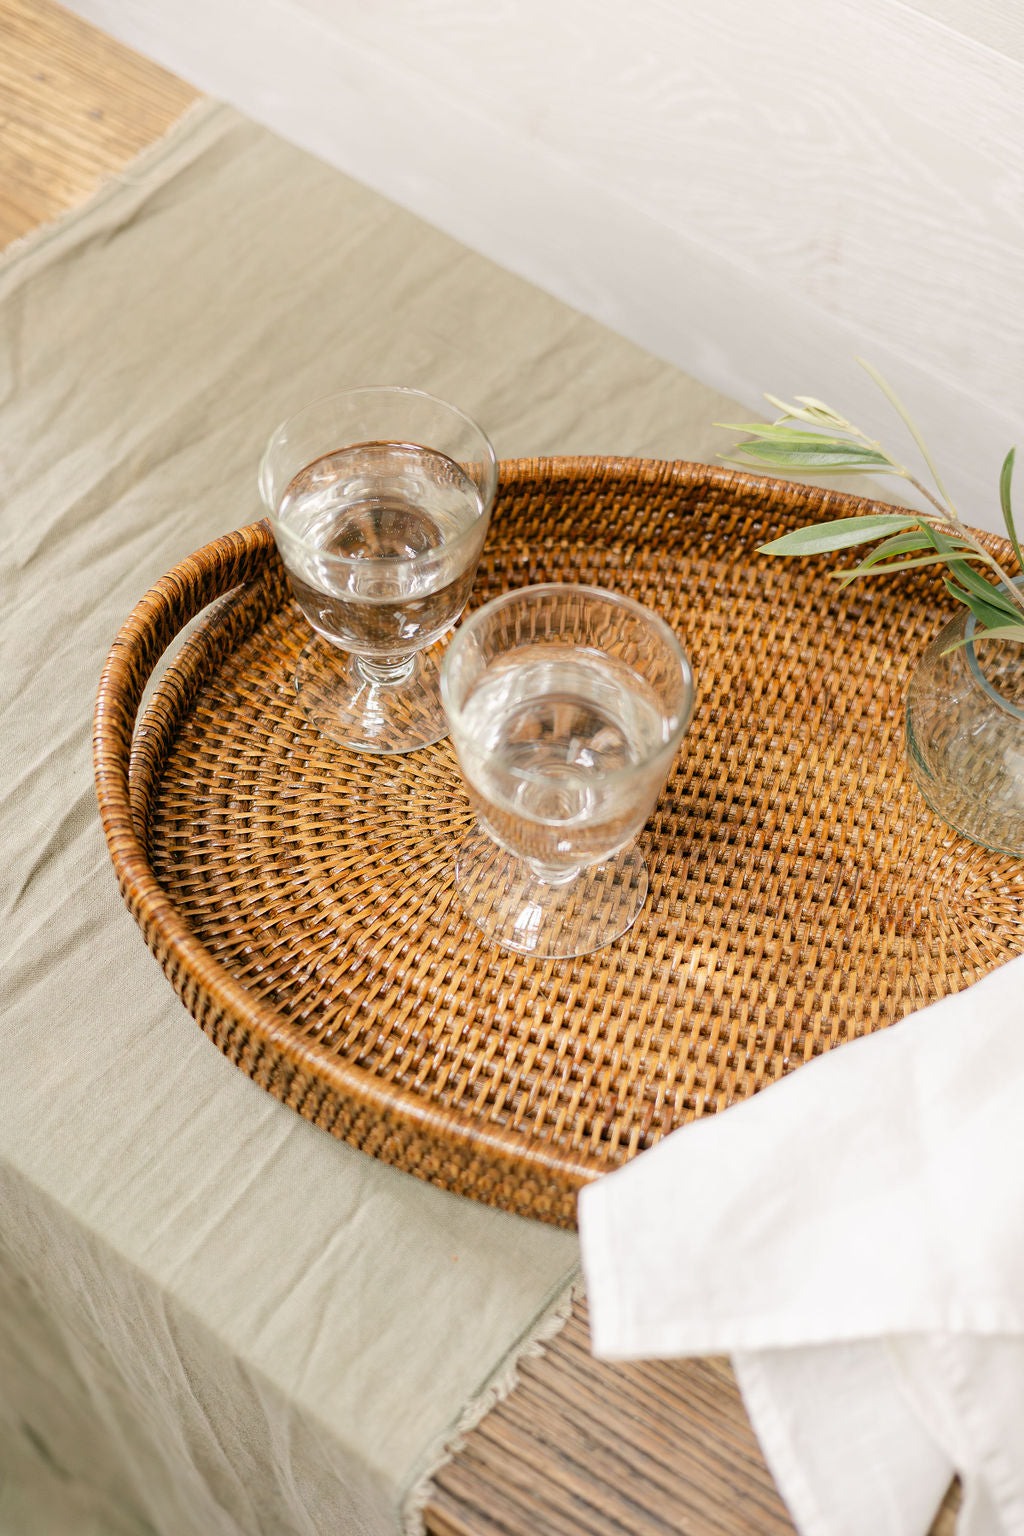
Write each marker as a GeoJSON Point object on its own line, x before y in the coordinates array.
{"type": "Point", "coordinates": [396, 710]}
{"type": "Point", "coordinates": [515, 909]}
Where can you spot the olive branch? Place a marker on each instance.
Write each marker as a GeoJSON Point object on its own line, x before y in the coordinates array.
{"type": "Point", "coordinates": [909, 540]}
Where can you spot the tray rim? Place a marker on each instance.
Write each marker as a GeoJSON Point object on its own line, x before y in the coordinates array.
{"type": "Point", "coordinates": [208, 576]}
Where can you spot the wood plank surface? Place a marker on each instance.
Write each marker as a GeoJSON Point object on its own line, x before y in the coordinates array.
{"type": "Point", "coordinates": [580, 1447]}
{"type": "Point", "coordinates": [75, 108]}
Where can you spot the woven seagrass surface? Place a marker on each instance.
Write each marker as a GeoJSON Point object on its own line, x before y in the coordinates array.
{"type": "Point", "coordinates": [300, 896]}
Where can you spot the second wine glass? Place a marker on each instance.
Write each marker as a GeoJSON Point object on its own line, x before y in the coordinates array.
{"type": "Point", "coordinates": [566, 705]}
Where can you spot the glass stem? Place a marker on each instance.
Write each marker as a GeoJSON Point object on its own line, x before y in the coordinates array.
{"type": "Point", "coordinates": [552, 874]}
{"type": "Point", "coordinates": [383, 670]}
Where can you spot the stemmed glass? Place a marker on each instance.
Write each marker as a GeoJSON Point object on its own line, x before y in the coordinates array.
{"type": "Point", "coordinates": [566, 706]}
{"type": "Point", "coordinates": [379, 500]}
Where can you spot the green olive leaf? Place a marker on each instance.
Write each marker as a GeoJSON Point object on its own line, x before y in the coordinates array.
{"type": "Point", "coordinates": [999, 632]}
{"type": "Point", "coordinates": [985, 612]}
{"type": "Point", "coordinates": [780, 432]}
{"type": "Point", "coordinates": [899, 544]}
{"type": "Point", "coordinates": [982, 589]}
{"type": "Point", "coordinates": [893, 566]}
{"type": "Point", "coordinates": [816, 412]}
{"type": "Point", "coordinates": [821, 454]}
{"type": "Point", "coordinates": [1005, 477]}
{"type": "Point", "coordinates": [820, 538]}
{"type": "Point", "coordinates": [819, 408]}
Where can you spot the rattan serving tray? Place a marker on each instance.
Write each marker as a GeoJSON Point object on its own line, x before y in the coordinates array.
{"type": "Point", "coordinates": [299, 896]}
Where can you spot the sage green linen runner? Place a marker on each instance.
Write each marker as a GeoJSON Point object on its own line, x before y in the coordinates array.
{"type": "Point", "coordinates": [214, 1318]}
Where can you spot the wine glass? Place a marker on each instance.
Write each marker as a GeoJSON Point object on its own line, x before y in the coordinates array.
{"type": "Point", "coordinates": [379, 500]}
{"type": "Point", "coordinates": [566, 706]}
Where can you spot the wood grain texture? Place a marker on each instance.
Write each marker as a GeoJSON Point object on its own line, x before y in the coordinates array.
{"type": "Point", "coordinates": [75, 108]}
{"type": "Point", "coordinates": [648, 1449]}
{"type": "Point", "coordinates": [580, 1446]}
{"type": "Point", "coordinates": [586, 1448]}
{"type": "Point", "coordinates": [758, 194]}
{"type": "Point", "coordinates": [841, 154]}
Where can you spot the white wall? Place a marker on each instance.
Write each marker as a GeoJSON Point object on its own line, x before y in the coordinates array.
{"type": "Point", "coordinates": [755, 191]}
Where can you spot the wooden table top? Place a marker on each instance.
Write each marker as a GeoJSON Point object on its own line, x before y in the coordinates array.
{"type": "Point", "coordinates": [580, 1447]}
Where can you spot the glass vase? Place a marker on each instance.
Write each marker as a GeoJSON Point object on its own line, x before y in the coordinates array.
{"type": "Point", "coordinates": [965, 735]}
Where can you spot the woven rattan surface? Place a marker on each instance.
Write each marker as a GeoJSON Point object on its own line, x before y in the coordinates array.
{"type": "Point", "coordinates": [299, 896]}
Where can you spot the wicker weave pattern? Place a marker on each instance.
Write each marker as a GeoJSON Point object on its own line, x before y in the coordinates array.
{"type": "Point", "coordinates": [300, 896]}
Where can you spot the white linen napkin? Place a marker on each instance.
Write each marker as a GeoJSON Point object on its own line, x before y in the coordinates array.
{"type": "Point", "coordinates": [854, 1237]}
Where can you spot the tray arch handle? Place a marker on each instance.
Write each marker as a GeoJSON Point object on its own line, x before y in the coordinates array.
{"type": "Point", "coordinates": [157, 618]}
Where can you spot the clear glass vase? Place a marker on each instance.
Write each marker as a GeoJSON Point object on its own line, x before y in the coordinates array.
{"type": "Point", "coordinates": [965, 735]}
